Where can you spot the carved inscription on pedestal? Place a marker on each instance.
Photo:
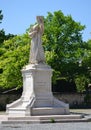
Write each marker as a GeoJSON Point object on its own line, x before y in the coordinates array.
{"type": "Point", "coordinates": [41, 86]}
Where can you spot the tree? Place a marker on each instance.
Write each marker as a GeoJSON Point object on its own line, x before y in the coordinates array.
{"type": "Point", "coordinates": [15, 54]}
{"type": "Point", "coordinates": [1, 16]}
{"type": "Point", "coordinates": [63, 44]}
{"type": "Point", "coordinates": [3, 36]}
{"type": "Point", "coordinates": [2, 33]}
{"type": "Point", "coordinates": [12, 57]}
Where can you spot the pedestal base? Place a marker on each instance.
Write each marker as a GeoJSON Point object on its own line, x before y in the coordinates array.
{"type": "Point", "coordinates": [37, 98]}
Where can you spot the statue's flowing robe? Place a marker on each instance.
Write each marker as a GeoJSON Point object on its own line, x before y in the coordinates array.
{"type": "Point", "coordinates": [36, 51]}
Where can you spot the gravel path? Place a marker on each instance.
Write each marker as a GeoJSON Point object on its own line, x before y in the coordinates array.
{"type": "Point", "coordinates": [55, 126]}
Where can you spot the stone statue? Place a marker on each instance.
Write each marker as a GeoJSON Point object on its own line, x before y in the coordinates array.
{"type": "Point", "coordinates": [37, 98]}
{"type": "Point", "coordinates": [36, 51]}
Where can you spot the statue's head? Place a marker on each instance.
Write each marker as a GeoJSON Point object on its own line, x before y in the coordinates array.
{"type": "Point", "coordinates": [39, 19]}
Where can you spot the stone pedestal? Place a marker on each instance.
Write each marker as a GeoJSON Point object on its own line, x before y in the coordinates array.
{"type": "Point", "coordinates": [37, 98]}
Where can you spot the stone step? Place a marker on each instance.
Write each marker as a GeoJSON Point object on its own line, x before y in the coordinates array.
{"type": "Point", "coordinates": [47, 117]}
{"type": "Point", "coordinates": [51, 120]}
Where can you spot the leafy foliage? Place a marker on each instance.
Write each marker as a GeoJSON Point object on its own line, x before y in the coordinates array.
{"type": "Point", "coordinates": [81, 81]}
{"type": "Point", "coordinates": [3, 36]}
{"type": "Point", "coordinates": [1, 16]}
{"type": "Point", "coordinates": [63, 45]}
{"type": "Point", "coordinates": [15, 56]}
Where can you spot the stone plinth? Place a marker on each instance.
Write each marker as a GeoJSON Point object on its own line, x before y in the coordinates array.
{"type": "Point", "coordinates": [37, 98]}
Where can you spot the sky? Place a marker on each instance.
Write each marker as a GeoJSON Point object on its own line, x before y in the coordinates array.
{"type": "Point", "coordinates": [20, 14]}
